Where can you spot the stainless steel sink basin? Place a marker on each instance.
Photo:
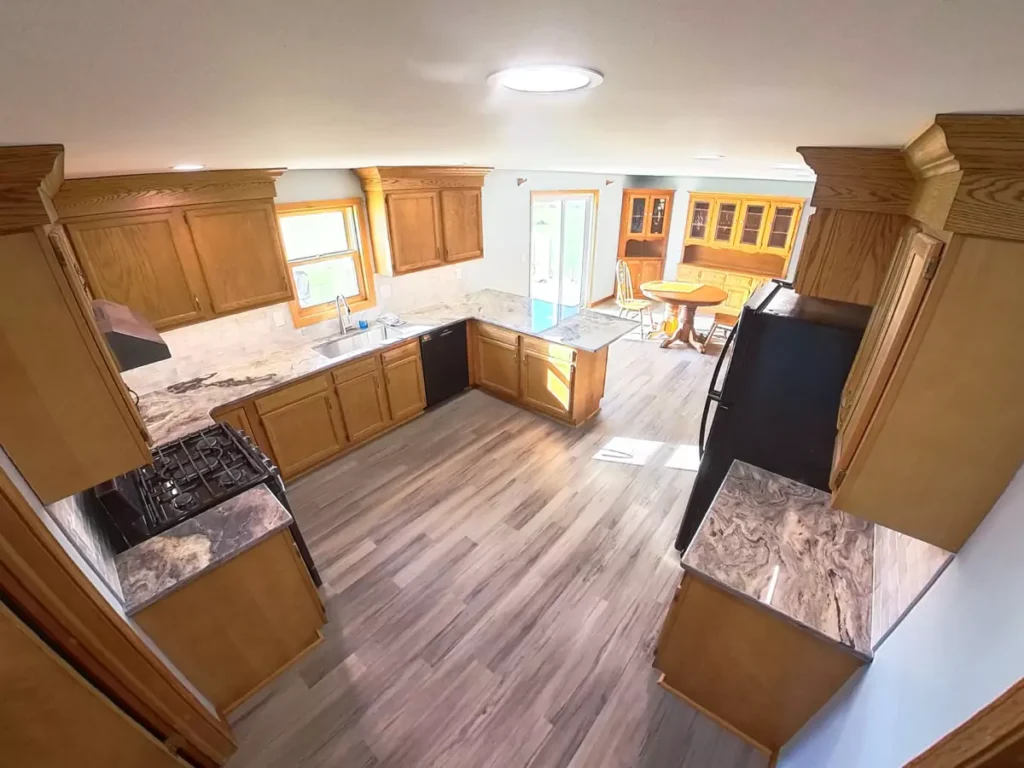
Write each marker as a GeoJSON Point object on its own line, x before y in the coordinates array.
{"type": "Point", "coordinates": [358, 340]}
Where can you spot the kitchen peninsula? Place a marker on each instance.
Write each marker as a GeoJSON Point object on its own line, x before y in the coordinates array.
{"type": "Point", "coordinates": [306, 404]}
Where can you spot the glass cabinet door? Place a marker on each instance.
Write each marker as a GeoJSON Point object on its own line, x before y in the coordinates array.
{"type": "Point", "coordinates": [725, 220]}
{"type": "Point", "coordinates": [752, 220]}
{"type": "Point", "coordinates": [700, 220]}
{"type": "Point", "coordinates": [659, 216]}
{"type": "Point", "coordinates": [637, 213]}
{"type": "Point", "coordinates": [781, 223]}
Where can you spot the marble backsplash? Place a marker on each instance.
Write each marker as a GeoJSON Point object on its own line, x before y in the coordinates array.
{"type": "Point", "coordinates": [248, 335]}
{"type": "Point", "coordinates": [76, 518]}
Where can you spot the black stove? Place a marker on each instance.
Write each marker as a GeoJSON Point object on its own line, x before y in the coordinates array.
{"type": "Point", "coordinates": [197, 472]}
{"type": "Point", "coordinates": [188, 477]}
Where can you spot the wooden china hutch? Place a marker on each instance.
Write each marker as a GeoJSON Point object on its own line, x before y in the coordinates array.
{"type": "Point", "coordinates": [736, 242]}
{"type": "Point", "coordinates": [643, 235]}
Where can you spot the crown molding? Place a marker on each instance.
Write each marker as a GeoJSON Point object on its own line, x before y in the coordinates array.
{"type": "Point", "coordinates": [29, 178]}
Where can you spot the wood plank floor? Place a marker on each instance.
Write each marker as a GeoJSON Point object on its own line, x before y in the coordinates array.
{"type": "Point", "coordinates": [494, 593]}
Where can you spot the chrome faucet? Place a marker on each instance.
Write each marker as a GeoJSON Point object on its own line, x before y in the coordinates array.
{"type": "Point", "coordinates": [339, 300]}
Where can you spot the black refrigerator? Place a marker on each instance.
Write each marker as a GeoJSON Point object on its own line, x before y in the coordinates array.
{"type": "Point", "coordinates": [774, 396]}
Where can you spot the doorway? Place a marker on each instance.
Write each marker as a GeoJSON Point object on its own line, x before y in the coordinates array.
{"type": "Point", "coordinates": [562, 245]}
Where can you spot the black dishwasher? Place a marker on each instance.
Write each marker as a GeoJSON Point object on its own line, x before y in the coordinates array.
{"type": "Point", "coordinates": [445, 363]}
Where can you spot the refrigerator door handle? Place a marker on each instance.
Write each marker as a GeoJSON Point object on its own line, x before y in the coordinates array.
{"type": "Point", "coordinates": [714, 394]}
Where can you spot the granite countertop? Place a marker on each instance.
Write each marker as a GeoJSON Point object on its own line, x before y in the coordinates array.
{"type": "Point", "coordinates": [157, 567]}
{"type": "Point", "coordinates": [185, 407]}
{"type": "Point", "coordinates": [780, 544]}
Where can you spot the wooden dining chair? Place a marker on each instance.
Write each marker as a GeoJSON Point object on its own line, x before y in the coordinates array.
{"type": "Point", "coordinates": [724, 322]}
{"type": "Point", "coordinates": [627, 302]}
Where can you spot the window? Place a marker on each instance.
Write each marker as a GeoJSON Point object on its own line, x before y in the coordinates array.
{"type": "Point", "coordinates": [328, 254]}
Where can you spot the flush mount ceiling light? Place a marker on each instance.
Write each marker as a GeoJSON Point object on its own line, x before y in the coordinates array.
{"type": "Point", "coordinates": [708, 157]}
{"type": "Point", "coordinates": [187, 167]}
{"type": "Point", "coordinates": [547, 78]}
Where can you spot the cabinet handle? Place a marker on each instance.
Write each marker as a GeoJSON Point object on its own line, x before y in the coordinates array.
{"type": "Point", "coordinates": [195, 300]}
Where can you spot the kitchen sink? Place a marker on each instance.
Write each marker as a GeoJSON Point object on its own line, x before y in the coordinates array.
{"type": "Point", "coordinates": [356, 341]}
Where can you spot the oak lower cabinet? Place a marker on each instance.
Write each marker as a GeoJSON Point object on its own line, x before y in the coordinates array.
{"type": "Point", "coordinates": [738, 287]}
{"type": "Point", "coordinates": [360, 390]}
{"type": "Point", "coordinates": [497, 360]}
{"type": "Point", "coordinates": [52, 717]}
{"type": "Point", "coordinates": [643, 270]}
{"type": "Point", "coordinates": [546, 377]}
{"type": "Point", "coordinates": [302, 424]}
{"type": "Point", "coordinates": [756, 674]}
{"type": "Point", "coordinates": [403, 378]}
{"type": "Point", "coordinates": [235, 627]}
{"type": "Point", "coordinates": [558, 381]}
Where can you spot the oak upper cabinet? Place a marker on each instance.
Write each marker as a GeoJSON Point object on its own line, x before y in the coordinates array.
{"type": "Point", "coordinates": [414, 221]}
{"type": "Point", "coordinates": [360, 390]}
{"type": "Point", "coordinates": [723, 225]}
{"type": "Point", "coordinates": [637, 208]}
{"type": "Point", "coordinates": [781, 228]}
{"type": "Point", "coordinates": [403, 378]}
{"type": "Point", "coordinates": [178, 248]}
{"type": "Point", "coordinates": [239, 248]}
{"type": "Point", "coordinates": [698, 219]}
{"type": "Point", "coordinates": [497, 360]}
{"type": "Point", "coordinates": [462, 224]}
{"type": "Point", "coordinates": [751, 227]}
{"type": "Point", "coordinates": [747, 223]}
{"type": "Point", "coordinates": [546, 377]}
{"type": "Point", "coordinates": [302, 424]}
{"type": "Point", "coordinates": [423, 217]}
{"type": "Point", "coordinates": [145, 261]}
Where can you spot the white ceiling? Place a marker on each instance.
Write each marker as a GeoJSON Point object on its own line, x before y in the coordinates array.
{"type": "Point", "coordinates": [139, 85]}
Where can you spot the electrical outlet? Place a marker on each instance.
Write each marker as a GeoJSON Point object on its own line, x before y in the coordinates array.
{"type": "Point", "coordinates": [279, 318]}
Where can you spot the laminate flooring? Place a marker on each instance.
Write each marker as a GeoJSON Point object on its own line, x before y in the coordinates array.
{"type": "Point", "coordinates": [494, 593]}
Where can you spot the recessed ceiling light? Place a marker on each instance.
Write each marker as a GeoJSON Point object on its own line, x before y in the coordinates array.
{"type": "Point", "coordinates": [547, 78]}
{"type": "Point", "coordinates": [708, 157]}
{"type": "Point", "coordinates": [188, 167]}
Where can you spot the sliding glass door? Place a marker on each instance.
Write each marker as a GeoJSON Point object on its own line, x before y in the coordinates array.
{"type": "Point", "coordinates": [561, 244]}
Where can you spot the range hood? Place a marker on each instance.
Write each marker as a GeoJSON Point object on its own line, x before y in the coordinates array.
{"type": "Point", "coordinates": [131, 337]}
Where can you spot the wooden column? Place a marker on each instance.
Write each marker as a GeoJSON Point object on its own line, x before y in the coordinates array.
{"type": "Point", "coordinates": [861, 199]}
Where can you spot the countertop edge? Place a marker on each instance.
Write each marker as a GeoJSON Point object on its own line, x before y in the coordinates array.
{"type": "Point", "coordinates": [864, 656]}
{"type": "Point", "coordinates": [131, 609]}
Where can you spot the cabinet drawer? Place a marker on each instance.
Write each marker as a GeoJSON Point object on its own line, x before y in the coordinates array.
{"type": "Point", "coordinates": [498, 334]}
{"type": "Point", "coordinates": [547, 349]}
{"type": "Point", "coordinates": [740, 281]}
{"type": "Point", "coordinates": [354, 369]}
{"type": "Point", "coordinates": [712, 277]}
{"type": "Point", "coordinates": [687, 273]}
{"type": "Point", "coordinates": [408, 349]}
{"type": "Point", "coordinates": [291, 394]}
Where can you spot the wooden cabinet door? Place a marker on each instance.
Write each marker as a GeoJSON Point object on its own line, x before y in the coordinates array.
{"type": "Point", "coordinates": [239, 249]}
{"type": "Point", "coordinates": [636, 274]}
{"type": "Point", "coordinates": [145, 262]}
{"type": "Point", "coordinates": [891, 321]}
{"type": "Point", "coordinates": [497, 365]}
{"type": "Point", "coordinates": [363, 405]}
{"type": "Point", "coordinates": [52, 716]}
{"type": "Point", "coordinates": [658, 218]}
{"type": "Point", "coordinates": [638, 208]}
{"type": "Point", "coordinates": [461, 222]}
{"type": "Point", "coordinates": [698, 220]}
{"type": "Point", "coordinates": [546, 382]}
{"type": "Point", "coordinates": [780, 229]}
{"type": "Point", "coordinates": [414, 224]}
{"type": "Point", "coordinates": [404, 381]}
{"type": "Point", "coordinates": [723, 227]}
{"type": "Point", "coordinates": [650, 270]}
{"type": "Point", "coordinates": [750, 229]}
{"type": "Point", "coordinates": [305, 431]}
{"type": "Point", "coordinates": [236, 418]}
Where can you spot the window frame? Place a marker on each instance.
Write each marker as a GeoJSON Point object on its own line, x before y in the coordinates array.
{"type": "Point", "coordinates": [362, 255]}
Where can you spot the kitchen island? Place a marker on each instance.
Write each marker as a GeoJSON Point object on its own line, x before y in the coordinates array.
{"type": "Point", "coordinates": [773, 613]}
{"type": "Point", "coordinates": [305, 405]}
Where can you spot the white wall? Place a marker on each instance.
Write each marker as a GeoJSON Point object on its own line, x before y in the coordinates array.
{"type": "Point", "coordinates": [686, 184]}
{"type": "Point", "coordinates": [957, 650]}
{"type": "Point", "coordinates": [506, 212]}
